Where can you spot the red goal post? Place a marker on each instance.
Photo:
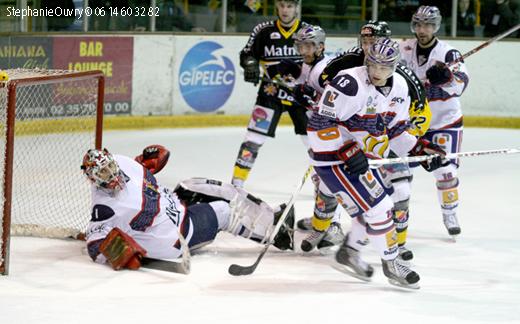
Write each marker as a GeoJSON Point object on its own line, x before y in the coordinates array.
{"type": "Point", "coordinates": [48, 119]}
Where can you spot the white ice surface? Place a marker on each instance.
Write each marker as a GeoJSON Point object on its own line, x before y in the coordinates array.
{"type": "Point", "coordinates": [475, 280]}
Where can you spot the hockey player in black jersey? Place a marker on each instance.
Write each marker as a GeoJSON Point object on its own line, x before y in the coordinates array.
{"type": "Point", "coordinates": [270, 42]}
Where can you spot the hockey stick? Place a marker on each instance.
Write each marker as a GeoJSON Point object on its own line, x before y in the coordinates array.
{"type": "Point", "coordinates": [238, 270]}
{"type": "Point", "coordinates": [485, 44]}
{"type": "Point", "coordinates": [420, 158]}
{"type": "Point", "coordinates": [183, 267]}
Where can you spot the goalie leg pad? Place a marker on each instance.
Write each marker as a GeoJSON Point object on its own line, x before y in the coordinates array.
{"type": "Point", "coordinates": [250, 217]}
{"type": "Point", "coordinates": [121, 250]}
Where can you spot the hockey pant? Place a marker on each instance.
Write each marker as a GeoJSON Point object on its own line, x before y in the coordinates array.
{"type": "Point", "coordinates": [367, 200]}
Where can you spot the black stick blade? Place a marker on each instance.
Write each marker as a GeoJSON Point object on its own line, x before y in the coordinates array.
{"type": "Point", "coordinates": [238, 270]}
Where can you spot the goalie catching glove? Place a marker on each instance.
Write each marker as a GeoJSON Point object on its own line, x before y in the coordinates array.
{"type": "Point", "coordinates": [352, 154]}
{"type": "Point", "coordinates": [121, 250]}
{"type": "Point", "coordinates": [425, 147]}
{"type": "Point", "coordinates": [154, 158]}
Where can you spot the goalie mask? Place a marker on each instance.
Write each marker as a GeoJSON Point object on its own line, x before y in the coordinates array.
{"type": "Point", "coordinates": [102, 169]}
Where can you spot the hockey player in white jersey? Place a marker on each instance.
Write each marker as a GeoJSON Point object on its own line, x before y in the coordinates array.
{"type": "Point", "coordinates": [310, 44]}
{"type": "Point", "coordinates": [398, 174]}
{"type": "Point", "coordinates": [130, 207]}
{"type": "Point", "coordinates": [429, 57]}
{"type": "Point", "coordinates": [364, 113]}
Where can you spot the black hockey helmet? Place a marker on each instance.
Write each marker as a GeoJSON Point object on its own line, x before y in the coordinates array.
{"type": "Point", "coordinates": [375, 28]}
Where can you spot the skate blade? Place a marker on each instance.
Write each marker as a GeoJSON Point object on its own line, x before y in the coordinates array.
{"type": "Point", "coordinates": [396, 283]}
{"type": "Point", "coordinates": [329, 250]}
{"type": "Point", "coordinates": [350, 272]}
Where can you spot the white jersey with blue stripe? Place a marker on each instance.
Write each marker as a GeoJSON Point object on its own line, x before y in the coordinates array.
{"type": "Point", "coordinates": [311, 74]}
{"type": "Point", "coordinates": [444, 99]}
{"type": "Point", "coordinates": [151, 214]}
{"type": "Point", "coordinates": [351, 108]}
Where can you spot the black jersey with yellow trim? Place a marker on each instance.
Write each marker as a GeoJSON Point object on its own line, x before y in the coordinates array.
{"type": "Point", "coordinates": [270, 42]}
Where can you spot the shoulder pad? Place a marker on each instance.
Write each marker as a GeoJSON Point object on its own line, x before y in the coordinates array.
{"type": "Point", "coordinates": [452, 55]}
{"type": "Point", "coordinates": [346, 84]}
{"type": "Point", "coordinates": [355, 50]}
{"type": "Point", "coordinates": [101, 213]}
{"type": "Point", "coordinates": [262, 25]}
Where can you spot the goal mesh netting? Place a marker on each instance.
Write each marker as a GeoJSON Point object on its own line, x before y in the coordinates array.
{"type": "Point", "coordinates": [57, 117]}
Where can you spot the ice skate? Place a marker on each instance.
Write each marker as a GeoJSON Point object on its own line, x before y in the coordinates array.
{"type": "Point", "coordinates": [452, 225]}
{"type": "Point", "coordinates": [311, 241]}
{"type": "Point", "coordinates": [405, 254]}
{"type": "Point", "coordinates": [399, 274]}
{"type": "Point", "coordinates": [304, 224]}
{"type": "Point", "coordinates": [349, 262]}
{"type": "Point", "coordinates": [334, 236]}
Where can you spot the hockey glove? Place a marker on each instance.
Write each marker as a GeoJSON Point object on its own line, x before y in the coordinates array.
{"type": "Point", "coordinates": [439, 74]}
{"type": "Point", "coordinates": [288, 67]}
{"type": "Point", "coordinates": [154, 158]}
{"type": "Point", "coordinates": [356, 162]}
{"type": "Point", "coordinates": [425, 147]}
{"type": "Point", "coordinates": [251, 70]}
{"type": "Point", "coordinates": [121, 250]}
{"type": "Point", "coordinates": [305, 96]}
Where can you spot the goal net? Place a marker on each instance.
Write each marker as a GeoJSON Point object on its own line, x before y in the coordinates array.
{"type": "Point", "coordinates": [48, 120]}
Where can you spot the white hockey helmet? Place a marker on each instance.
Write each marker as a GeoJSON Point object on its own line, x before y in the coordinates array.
{"type": "Point", "coordinates": [384, 52]}
{"type": "Point", "coordinates": [427, 15]}
{"type": "Point", "coordinates": [102, 169]}
{"type": "Point", "coordinates": [314, 34]}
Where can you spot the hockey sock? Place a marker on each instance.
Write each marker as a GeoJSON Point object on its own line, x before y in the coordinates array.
{"type": "Point", "coordinates": [448, 194]}
{"type": "Point", "coordinates": [245, 161]}
{"type": "Point", "coordinates": [357, 237]}
{"type": "Point", "coordinates": [324, 209]}
{"type": "Point", "coordinates": [384, 237]}
{"type": "Point", "coordinates": [401, 221]}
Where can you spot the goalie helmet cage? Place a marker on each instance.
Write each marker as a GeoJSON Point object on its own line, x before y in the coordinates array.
{"type": "Point", "coordinates": [48, 120]}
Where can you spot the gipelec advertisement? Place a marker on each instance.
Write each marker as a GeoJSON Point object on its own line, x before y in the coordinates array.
{"type": "Point", "coordinates": [208, 77]}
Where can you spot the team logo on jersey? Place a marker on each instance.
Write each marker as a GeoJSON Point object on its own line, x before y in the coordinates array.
{"type": "Point", "coordinates": [443, 140]}
{"type": "Point", "coordinates": [270, 89]}
{"type": "Point", "coordinates": [371, 110]}
{"type": "Point", "coordinates": [275, 35]}
{"type": "Point", "coordinates": [206, 77]}
{"type": "Point", "coordinates": [396, 100]}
